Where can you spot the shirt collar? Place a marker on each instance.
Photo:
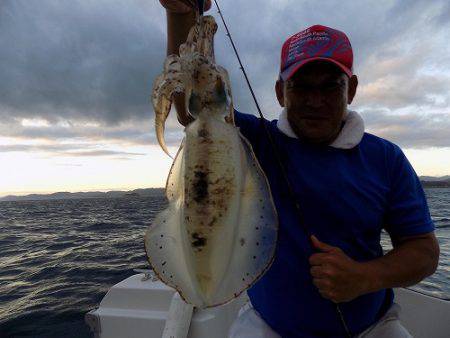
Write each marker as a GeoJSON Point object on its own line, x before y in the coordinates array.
{"type": "Point", "coordinates": [349, 136]}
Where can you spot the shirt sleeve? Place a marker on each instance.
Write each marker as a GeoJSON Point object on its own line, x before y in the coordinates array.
{"type": "Point", "coordinates": [407, 210]}
{"type": "Point", "coordinates": [249, 126]}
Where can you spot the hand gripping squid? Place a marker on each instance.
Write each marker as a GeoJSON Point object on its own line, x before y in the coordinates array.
{"type": "Point", "coordinates": [218, 234]}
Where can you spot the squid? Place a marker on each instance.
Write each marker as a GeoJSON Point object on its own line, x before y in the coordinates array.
{"type": "Point", "coordinates": [218, 234]}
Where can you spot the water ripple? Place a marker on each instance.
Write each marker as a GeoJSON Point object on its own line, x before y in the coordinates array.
{"type": "Point", "coordinates": [59, 258]}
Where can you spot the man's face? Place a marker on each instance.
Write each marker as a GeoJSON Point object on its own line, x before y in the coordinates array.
{"type": "Point", "coordinates": [316, 99]}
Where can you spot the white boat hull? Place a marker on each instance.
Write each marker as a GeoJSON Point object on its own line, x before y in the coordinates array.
{"type": "Point", "coordinates": [139, 306]}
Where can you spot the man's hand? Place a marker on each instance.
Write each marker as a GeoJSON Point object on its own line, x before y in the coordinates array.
{"type": "Point", "coordinates": [341, 279]}
{"type": "Point", "coordinates": [336, 276]}
{"type": "Point", "coordinates": [182, 6]}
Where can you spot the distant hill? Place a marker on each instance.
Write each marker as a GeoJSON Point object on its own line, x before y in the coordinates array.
{"type": "Point", "coordinates": [427, 182]}
{"type": "Point", "coordinates": [434, 179]}
{"type": "Point", "coordinates": [150, 192]}
{"type": "Point", "coordinates": [435, 182]}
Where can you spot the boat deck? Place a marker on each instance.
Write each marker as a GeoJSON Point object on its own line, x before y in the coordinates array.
{"type": "Point", "coordinates": [140, 305]}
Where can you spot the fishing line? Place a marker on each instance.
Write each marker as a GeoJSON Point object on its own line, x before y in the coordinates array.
{"type": "Point", "coordinates": [273, 145]}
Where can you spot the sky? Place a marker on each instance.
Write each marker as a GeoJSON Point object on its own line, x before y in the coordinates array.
{"type": "Point", "coordinates": [76, 78]}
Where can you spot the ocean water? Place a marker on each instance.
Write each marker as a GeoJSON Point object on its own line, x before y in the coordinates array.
{"type": "Point", "coordinates": [59, 258]}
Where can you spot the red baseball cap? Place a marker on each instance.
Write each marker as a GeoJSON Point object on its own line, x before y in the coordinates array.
{"type": "Point", "coordinates": [316, 43]}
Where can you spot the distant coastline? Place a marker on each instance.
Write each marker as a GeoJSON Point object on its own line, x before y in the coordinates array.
{"type": "Point", "coordinates": [427, 182]}
{"type": "Point", "coordinates": [435, 182]}
{"type": "Point", "coordinates": [149, 192]}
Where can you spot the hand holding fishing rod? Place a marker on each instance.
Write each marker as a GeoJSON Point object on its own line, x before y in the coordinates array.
{"type": "Point", "coordinates": [338, 277]}
{"type": "Point", "coordinates": [186, 6]}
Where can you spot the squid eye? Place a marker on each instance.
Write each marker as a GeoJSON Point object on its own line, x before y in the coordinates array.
{"type": "Point", "coordinates": [195, 105]}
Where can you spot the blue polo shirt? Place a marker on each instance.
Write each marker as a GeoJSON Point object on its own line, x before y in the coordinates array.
{"type": "Point", "coordinates": [346, 196]}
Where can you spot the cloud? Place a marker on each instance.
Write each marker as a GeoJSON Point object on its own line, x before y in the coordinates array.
{"type": "Point", "coordinates": [90, 153]}
{"type": "Point", "coordinates": [406, 11]}
{"type": "Point", "coordinates": [394, 92]}
{"type": "Point", "coordinates": [86, 67]}
{"type": "Point", "coordinates": [410, 130]}
{"type": "Point", "coordinates": [132, 132]}
{"type": "Point", "coordinates": [79, 60]}
{"type": "Point", "coordinates": [71, 150]}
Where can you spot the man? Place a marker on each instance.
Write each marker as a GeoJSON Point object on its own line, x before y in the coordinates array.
{"type": "Point", "coordinates": [349, 184]}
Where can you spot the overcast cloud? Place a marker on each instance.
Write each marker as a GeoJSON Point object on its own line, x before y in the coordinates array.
{"type": "Point", "coordinates": [83, 70]}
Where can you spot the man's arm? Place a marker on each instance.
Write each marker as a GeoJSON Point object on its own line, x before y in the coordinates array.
{"type": "Point", "coordinates": [180, 18]}
{"type": "Point", "coordinates": [178, 26]}
{"type": "Point", "coordinates": [340, 278]}
{"type": "Point", "coordinates": [411, 260]}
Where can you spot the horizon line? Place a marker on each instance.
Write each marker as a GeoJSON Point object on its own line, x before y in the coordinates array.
{"type": "Point", "coordinates": [46, 192]}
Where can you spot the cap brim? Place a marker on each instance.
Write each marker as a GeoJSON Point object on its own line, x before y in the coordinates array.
{"type": "Point", "coordinates": [292, 69]}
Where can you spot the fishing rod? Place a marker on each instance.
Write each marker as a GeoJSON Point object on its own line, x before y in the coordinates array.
{"type": "Point", "coordinates": [200, 4]}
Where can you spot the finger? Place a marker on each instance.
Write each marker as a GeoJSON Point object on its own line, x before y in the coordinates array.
{"type": "Point", "coordinates": [177, 6]}
{"type": "Point", "coordinates": [194, 4]}
{"type": "Point", "coordinates": [322, 284]}
{"type": "Point", "coordinates": [190, 3]}
{"type": "Point", "coordinates": [332, 297]}
{"type": "Point", "coordinates": [183, 6]}
{"type": "Point", "coordinates": [319, 272]}
{"type": "Point", "coordinates": [321, 245]}
{"type": "Point", "coordinates": [327, 295]}
{"type": "Point", "coordinates": [318, 258]}
{"type": "Point", "coordinates": [207, 5]}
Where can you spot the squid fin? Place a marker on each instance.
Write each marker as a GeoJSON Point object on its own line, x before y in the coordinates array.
{"type": "Point", "coordinates": [165, 242]}
{"type": "Point", "coordinates": [256, 232]}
